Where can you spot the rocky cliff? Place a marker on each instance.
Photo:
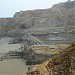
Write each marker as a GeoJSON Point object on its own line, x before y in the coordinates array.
{"type": "Point", "coordinates": [60, 15]}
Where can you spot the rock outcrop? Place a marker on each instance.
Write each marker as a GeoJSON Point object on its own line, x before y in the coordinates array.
{"type": "Point", "coordinates": [60, 15]}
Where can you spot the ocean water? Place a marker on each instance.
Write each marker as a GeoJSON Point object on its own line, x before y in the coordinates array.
{"type": "Point", "coordinates": [11, 66]}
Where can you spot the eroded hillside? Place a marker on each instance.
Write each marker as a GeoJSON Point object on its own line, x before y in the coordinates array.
{"type": "Point", "coordinates": [60, 15]}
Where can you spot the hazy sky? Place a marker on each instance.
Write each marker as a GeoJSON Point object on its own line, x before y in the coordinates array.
{"type": "Point", "coordinates": [9, 7]}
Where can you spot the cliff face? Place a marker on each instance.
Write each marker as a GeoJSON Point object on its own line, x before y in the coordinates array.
{"type": "Point", "coordinates": [15, 23]}
{"type": "Point", "coordinates": [62, 14]}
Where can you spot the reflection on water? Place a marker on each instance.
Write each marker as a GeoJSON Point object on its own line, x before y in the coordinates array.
{"type": "Point", "coordinates": [57, 38]}
{"type": "Point", "coordinates": [4, 40]}
{"type": "Point", "coordinates": [5, 47]}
